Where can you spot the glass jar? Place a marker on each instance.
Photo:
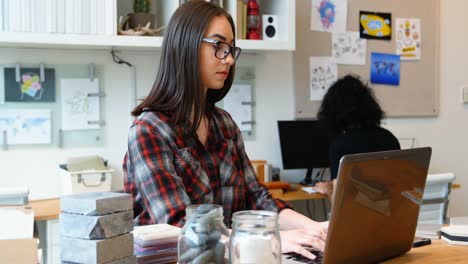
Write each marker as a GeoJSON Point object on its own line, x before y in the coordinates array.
{"type": "Point", "coordinates": [255, 237]}
{"type": "Point", "coordinates": [204, 235]}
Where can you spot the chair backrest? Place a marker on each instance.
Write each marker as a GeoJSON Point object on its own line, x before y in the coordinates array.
{"type": "Point", "coordinates": [436, 198]}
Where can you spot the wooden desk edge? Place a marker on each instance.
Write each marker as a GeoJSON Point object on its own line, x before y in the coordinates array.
{"type": "Point", "coordinates": [47, 209]}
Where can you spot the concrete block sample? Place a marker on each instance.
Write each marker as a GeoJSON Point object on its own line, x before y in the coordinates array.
{"type": "Point", "coordinates": [126, 260]}
{"type": "Point", "coordinates": [96, 203]}
{"type": "Point", "coordinates": [96, 251]}
{"type": "Point", "coordinates": [96, 227]}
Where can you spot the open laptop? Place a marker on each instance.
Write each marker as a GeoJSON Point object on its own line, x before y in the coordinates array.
{"type": "Point", "coordinates": [376, 206]}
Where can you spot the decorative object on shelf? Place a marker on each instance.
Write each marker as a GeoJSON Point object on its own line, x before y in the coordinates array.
{"type": "Point", "coordinates": [253, 20]}
{"type": "Point", "coordinates": [29, 84]}
{"type": "Point", "coordinates": [141, 15]}
{"type": "Point", "coordinates": [138, 31]}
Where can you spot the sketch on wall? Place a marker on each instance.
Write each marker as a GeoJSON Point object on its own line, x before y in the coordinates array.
{"type": "Point", "coordinates": [408, 38]}
{"type": "Point", "coordinates": [30, 87]}
{"type": "Point", "coordinates": [385, 68]}
{"type": "Point", "coordinates": [238, 102]}
{"type": "Point", "coordinates": [329, 15]}
{"type": "Point", "coordinates": [80, 104]}
{"type": "Point", "coordinates": [374, 25]}
{"type": "Point", "coordinates": [26, 126]}
{"type": "Point", "coordinates": [323, 73]}
{"type": "Point", "coordinates": [348, 48]}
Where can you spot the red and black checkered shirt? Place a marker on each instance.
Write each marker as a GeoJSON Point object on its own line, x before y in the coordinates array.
{"type": "Point", "coordinates": [167, 169]}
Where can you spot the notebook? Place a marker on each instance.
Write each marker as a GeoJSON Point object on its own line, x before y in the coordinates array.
{"type": "Point", "coordinates": [376, 206]}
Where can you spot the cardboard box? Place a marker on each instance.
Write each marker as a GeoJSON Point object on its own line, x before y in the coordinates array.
{"type": "Point", "coordinates": [19, 251]}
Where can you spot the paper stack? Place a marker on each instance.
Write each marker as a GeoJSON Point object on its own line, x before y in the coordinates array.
{"type": "Point", "coordinates": [156, 243]}
{"type": "Point", "coordinates": [431, 231]}
{"type": "Point", "coordinates": [95, 228]}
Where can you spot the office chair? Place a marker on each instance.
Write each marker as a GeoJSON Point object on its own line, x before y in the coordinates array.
{"type": "Point", "coordinates": [436, 199]}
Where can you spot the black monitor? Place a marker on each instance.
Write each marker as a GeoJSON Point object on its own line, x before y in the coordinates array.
{"type": "Point", "coordinates": [304, 145]}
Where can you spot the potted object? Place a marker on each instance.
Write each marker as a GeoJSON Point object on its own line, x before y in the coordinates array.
{"type": "Point", "coordinates": [141, 15]}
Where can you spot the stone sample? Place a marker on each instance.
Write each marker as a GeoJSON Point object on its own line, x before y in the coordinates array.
{"type": "Point", "coordinates": [96, 251]}
{"type": "Point", "coordinates": [96, 227]}
{"type": "Point", "coordinates": [126, 260]}
{"type": "Point", "coordinates": [96, 203]}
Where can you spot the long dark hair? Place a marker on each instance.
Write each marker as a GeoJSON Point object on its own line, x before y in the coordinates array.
{"type": "Point", "coordinates": [349, 103]}
{"type": "Point", "coordinates": [178, 87]}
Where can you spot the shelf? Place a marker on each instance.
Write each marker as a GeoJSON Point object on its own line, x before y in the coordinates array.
{"type": "Point", "coordinates": [62, 41]}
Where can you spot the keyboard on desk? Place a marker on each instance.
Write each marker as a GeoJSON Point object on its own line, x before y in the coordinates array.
{"type": "Point", "coordinates": [290, 258]}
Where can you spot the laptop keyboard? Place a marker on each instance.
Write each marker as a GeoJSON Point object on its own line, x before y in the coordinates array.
{"type": "Point", "coordinates": [301, 259]}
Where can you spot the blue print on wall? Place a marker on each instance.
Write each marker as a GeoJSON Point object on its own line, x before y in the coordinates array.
{"type": "Point", "coordinates": [385, 69]}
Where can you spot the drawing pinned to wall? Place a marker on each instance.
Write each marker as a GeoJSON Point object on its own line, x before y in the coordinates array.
{"type": "Point", "coordinates": [385, 69]}
{"type": "Point", "coordinates": [29, 88]}
{"type": "Point", "coordinates": [408, 38]}
{"type": "Point", "coordinates": [323, 73]}
{"type": "Point", "coordinates": [238, 102]}
{"type": "Point", "coordinates": [26, 126]}
{"type": "Point", "coordinates": [80, 104]}
{"type": "Point", "coordinates": [348, 48]}
{"type": "Point", "coordinates": [329, 15]}
{"type": "Point", "coordinates": [374, 25]}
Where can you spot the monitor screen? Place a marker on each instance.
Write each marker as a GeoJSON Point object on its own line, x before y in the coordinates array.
{"type": "Point", "coordinates": [304, 144]}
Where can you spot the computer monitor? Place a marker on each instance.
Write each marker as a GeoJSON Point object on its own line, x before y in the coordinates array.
{"type": "Point", "coordinates": [304, 145]}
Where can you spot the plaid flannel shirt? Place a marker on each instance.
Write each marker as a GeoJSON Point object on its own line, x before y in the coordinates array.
{"type": "Point", "coordinates": [166, 170]}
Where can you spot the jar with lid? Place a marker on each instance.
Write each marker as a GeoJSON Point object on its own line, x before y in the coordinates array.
{"type": "Point", "coordinates": [255, 237]}
{"type": "Point", "coordinates": [204, 235]}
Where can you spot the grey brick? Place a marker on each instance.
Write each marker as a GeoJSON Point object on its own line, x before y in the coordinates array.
{"type": "Point", "coordinates": [96, 251]}
{"type": "Point", "coordinates": [96, 227]}
{"type": "Point", "coordinates": [126, 260]}
{"type": "Point", "coordinates": [96, 203]}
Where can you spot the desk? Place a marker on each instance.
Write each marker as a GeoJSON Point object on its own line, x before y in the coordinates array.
{"type": "Point", "coordinates": [437, 252]}
{"type": "Point", "coordinates": [48, 209]}
{"type": "Point", "coordinates": [297, 195]}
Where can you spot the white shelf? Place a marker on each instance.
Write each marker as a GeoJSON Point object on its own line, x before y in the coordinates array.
{"type": "Point", "coordinates": [8, 39]}
{"type": "Point", "coordinates": [284, 9]}
{"type": "Point", "coordinates": [64, 41]}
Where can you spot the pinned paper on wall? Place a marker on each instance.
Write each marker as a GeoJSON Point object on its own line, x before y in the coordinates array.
{"type": "Point", "coordinates": [385, 69]}
{"type": "Point", "coordinates": [30, 87]}
{"type": "Point", "coordinates": [408, 38]}
{"type": "Point", "coordinates": [374, 25]}
{"type": "Point", "coordinates": [238, 102]}
{"type": "Point", "coordinates": [323, 73]}
{"type": "Point", "coordinates": [80, 104]}
{"type": "Point", "coordinates": [26, 126]}
{"type": "Point", "coordinates": [348, 48]}
{"type": "Point", "coordinates": [329, 15]}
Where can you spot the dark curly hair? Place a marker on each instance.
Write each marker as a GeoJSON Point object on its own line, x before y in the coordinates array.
{"type": "Point", "coordinates": [349, 103]}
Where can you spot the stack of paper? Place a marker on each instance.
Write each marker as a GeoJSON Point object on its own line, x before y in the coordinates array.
{"type": "Point", "coordinates": [431, 231]}
{"type": "Point", "coordinates": [156, 243]}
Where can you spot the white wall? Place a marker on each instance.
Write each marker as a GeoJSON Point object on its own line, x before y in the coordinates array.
{"type": "Point", "coordinates": [37, 167]}
{"type": "Point", "coordinates": [274, 101]}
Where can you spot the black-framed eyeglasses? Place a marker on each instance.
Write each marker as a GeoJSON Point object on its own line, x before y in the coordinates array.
{"type": "Point", "coordinates": [223, 49]}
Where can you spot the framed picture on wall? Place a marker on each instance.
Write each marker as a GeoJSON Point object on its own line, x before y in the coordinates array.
{"type": "Point", "coordinates": [217, 2]}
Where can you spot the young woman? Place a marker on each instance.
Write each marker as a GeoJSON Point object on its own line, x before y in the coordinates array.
{"type": "Point", "coordinates": [184, 150]}
{"type": "Point", "coordinates": [352, 115]}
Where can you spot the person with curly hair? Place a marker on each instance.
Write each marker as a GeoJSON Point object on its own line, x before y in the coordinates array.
{"type": "Point", "coordinates": [353, 116]}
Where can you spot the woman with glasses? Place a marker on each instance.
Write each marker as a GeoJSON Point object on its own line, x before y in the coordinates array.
{"type": "Point", "coordinates": [184, 150]}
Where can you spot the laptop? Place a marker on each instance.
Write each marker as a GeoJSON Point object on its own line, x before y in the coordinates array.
{"type": "Point", "coordinates": [376, 206]}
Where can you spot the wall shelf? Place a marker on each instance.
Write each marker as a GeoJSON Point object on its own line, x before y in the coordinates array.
{"type": "Point", "coordinates": [284, 9]}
